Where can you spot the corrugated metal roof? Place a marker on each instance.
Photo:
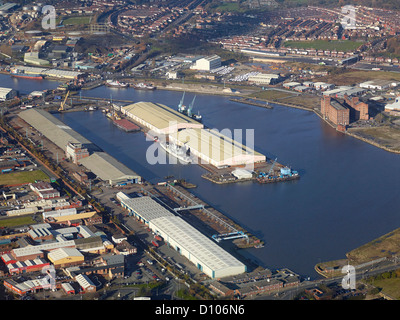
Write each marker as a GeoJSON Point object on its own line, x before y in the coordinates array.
{"type": "Point", "coordinates": [159, 116]}
{"type": "Point", "coordinates": [54, 129]}
{"type": "Point", "coordinates": [108, 168]}
{"type": "Point", "coordinates": [147, 208]}
{"type": "Point", "coordinates": [84, 281]}
{"type": "Point", "coordinates": [193, 241]}
{"type": "Point", "coordinates": [63, 253]}
{"type": "Point", "coordinates": [221, 149]}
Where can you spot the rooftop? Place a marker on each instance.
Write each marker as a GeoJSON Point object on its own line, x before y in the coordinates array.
{"type": "Point", "coordinates": [108, 168]}
{"type": "Point", "coordinates": [201, 248]}
{"type": "Point", "coordinates": [157, 116]}
{"type": "Point", "coordinates": [147, 208]}
{"type": "Point", "coordinates": [53, 129]}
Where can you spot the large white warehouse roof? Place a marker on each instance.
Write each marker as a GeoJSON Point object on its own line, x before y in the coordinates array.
{"type": "Point", "coordinates": [216, 148]}
{"type": "Point", "coordinates": [145, 208]}
{"type": "Point", "coordinates": [158, 117]}
{"type": "Point", "coordinates": [53, 129]}
{"type": "Point", "coordinates": [200, 250]}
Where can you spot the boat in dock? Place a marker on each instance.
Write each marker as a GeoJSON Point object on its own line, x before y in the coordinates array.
{"type": "Point", "coordinates": [126, 125]}
{"type": "Point", "coordinates": [286, 174]}
{"type": "Point", "coordinates": [27, 76]}
{"type": "Point", "coordinates": [144, 86]}
{"type": "Point", "coordinates": [178, 152]}
{"type": "Point", "coordinates": [116, 84]}
{"type": "Point", "coordinates": [90, 108]}
{"type": "Point", "coordinates": [188, 110]}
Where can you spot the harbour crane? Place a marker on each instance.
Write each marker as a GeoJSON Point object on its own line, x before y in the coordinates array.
{"type": "Point", "coordinates": [181, 107]}
{"type": "Point", "coordinates": [189, 112]}
{"type": "Point", "coordinates": [272, 167]}
{"type": "Point", "coordinates": [63, 102]}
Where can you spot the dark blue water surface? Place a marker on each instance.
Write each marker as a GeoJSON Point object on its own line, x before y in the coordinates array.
{"type": "Point", "coordinates": [348, 193]}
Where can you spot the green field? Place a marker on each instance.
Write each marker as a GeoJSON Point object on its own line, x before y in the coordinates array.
{"type": "Point", "coordinates": [81, 20]}
{"type": "Point", "coordinates": [339, 45]}
{"type": "Point", "coordinates": [17, 221]}
{"type": "Point", "coordinates": [230, 6]}
{"type": "Point", "coordinates": [21, 177]}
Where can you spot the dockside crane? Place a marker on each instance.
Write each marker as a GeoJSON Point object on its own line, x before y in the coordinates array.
{"type": "Point", "coordinates": [62, 106]}
{"type": "Point", "coordinates": [272, 167]}
{"type": "Point", "coordinates": [189, 112]}
{"type": "Point", "coordinates": [181, 107]}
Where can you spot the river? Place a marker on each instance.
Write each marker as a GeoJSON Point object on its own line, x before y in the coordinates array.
{"type": "Point", "coordinates": [348, 193]}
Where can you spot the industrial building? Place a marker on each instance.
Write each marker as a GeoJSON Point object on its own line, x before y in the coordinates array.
{"type": "Point", "coordinates": [44, 190]}
{"type": "Point", "coordinates": [264, 78]}
{"type": "Point", "coordinates": [143, 208]}
{"type": "Point", "coordinates": [207, 63]}
{"type": "Point", "coordinates": [335, 112]}
{"type": "Point", "coordinates": [394, 107]}
{"type": "Point", "coordinates": [53, 129]}
{"type": "Point", "coordinates": [378, 84]}
{"type": "Point", "coordinates": [158, 117]}
{"type": "Point", "coordinates": [76, 152]}
{"type": "Point", "coordinates": [33, 57]}
{"type": "Point", "coordinates": [7, 94]}
{"type": "Point", "coordinates": [78, 148]}
{"type": "Point", "coordinates": [215, 148]}
{"type": "Point", "coordinates": [110, 169]}
{"type": "Point", "coordinates": [63, 74]}
{"type": "Point", "coordinates": [204, 253]}
{"type": "Point", "coordinates": [64, 257]}
{"type": "Point", "coordinates": [241, 173]}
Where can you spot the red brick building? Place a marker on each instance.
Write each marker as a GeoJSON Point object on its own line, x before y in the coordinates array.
{"type": "Point", "coordinates": [335, 112]}
{"type": "Point", "coordinates": [358, 110]}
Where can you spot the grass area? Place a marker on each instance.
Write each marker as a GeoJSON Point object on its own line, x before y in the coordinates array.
{"type": "Point", "coordinates": [17, 221]}
{"type": "Point", "coordinates": [338, 45]}
{"type": "Point", "coordinates": [79, 20]}
{"type": "Point", "coordinates": [388, 244]}
{"type": "Point", "coordinates": [354, 77]}
{"type": "Point", "coordinates": [272, 95]}
{"type": "Point", "coordinates": [301, 100]}
{"type": "Point", "coordinates": [387, 136]}
{"type": "Point", "coordinates": [20, 177]}
{"type": "Point", "coordinates": [390, 287]}
{"type": "Point", "coordinates": [229, 7]}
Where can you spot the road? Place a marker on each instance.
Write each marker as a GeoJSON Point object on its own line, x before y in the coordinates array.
{"type": "Point", "coordinates": [290, 292]}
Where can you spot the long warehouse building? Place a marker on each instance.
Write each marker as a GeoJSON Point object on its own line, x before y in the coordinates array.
{"type": "Point", "coordinates": [159, 118]}
{"type": "Point", "coordinates": [54, 129]}
{"type": "Point", "coordinates": [103, 165]}
{"type": "Point", "coordinates": [109, 169]}
{"type": "Point", "coordinates": [204, 253]}
{"type": "Point", "coordinates": [215, 148]}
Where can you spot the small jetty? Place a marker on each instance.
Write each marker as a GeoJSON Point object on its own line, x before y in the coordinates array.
{"type": "Point", "coordinates": [252, 102]}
